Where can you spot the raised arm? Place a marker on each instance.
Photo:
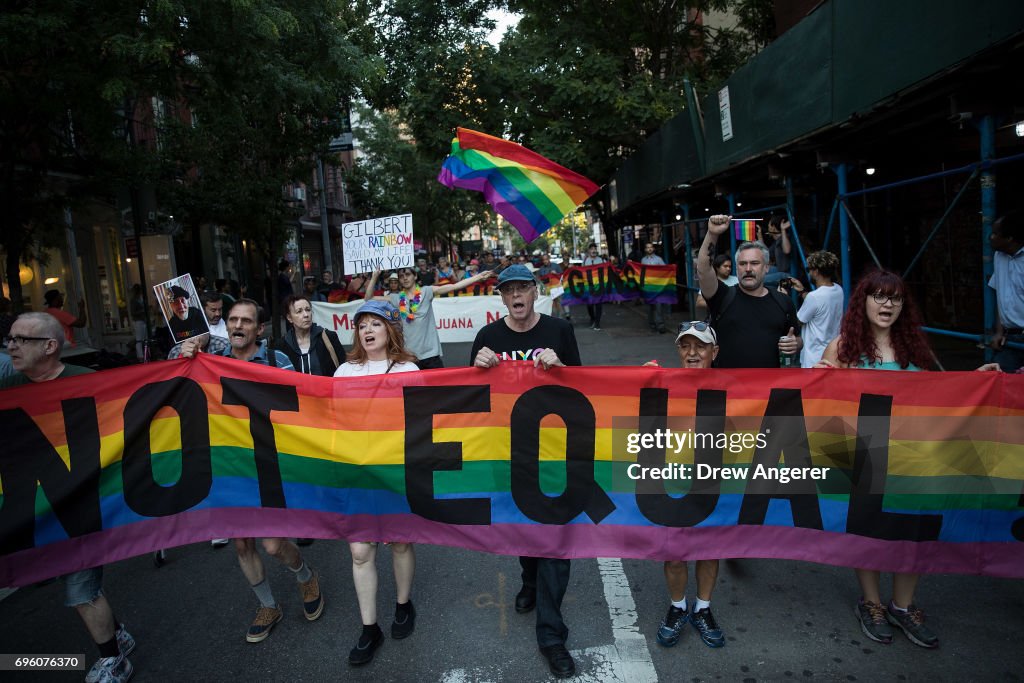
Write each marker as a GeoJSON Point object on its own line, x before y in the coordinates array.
{"type": "Point", "coordinates": [462, 284]}
{"type": "Point", "coordinates": [717, 225]}
{"type": "Point", "coordinates": [371, 286]}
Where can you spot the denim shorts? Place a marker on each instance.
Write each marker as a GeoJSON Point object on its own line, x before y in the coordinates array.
{"type": "Point", "coordinates": [82, 587]}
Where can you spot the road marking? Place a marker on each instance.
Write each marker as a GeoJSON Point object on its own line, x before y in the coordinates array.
{"type": "Point", "coordinates": [626, 660]}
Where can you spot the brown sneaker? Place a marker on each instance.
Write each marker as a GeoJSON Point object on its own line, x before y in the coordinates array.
{"type": "Point", "coordinates": [263, 624]}
{"type": "Point", "coordinates": [312, 601]}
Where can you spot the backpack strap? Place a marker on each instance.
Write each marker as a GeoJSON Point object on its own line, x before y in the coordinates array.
{"type": "Point", "coordinates": [779, 298]}
{"type": "Point", "coordinates": [271, 357]}
{"type": "Point", "coordinates": [330, 349]}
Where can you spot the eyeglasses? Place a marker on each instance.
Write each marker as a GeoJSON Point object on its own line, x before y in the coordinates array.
{"type": "Point", "coordinates": [698, 325]}
{"type": "Point", "coordinates": [880, 299]}
{"type": "Point", "coordinates": [19, 340]}
{"type": "Point", "coordinates": [515, 287]}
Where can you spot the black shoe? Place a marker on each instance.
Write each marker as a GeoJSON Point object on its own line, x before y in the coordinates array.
{"type": "Point", "coordinates": [559, 661]}
{"type": "Point", "coordinates": [362, 653]}
{"type": "Point", "coordinates": [303, 541]}
{"type": "Point", "coordinates": [405, 621]}
{"type": "Point", "coordinates": [526, 599]}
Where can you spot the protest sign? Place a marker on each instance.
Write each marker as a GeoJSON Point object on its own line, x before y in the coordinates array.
{"type": "Point", "coordinates": [378, 244]}
{"type": "Point", "coordinates": [181, 307]}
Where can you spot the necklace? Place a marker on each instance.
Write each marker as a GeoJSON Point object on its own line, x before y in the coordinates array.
{"type": "Point", "coordinates": [408, 308]}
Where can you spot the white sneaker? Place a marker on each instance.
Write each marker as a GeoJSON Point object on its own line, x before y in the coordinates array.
{"type": "Point", "coordinates": [110, 670]}
{"type": "Point", "coordinates": [220, 542]}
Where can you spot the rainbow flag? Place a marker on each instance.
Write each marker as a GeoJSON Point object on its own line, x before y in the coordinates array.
{"type": "Point", "coordinates": [745, 228]}
{"type": "Point", "coordinates": [529, 191]}
{"type": "Point", "coordinates": [920, 472]}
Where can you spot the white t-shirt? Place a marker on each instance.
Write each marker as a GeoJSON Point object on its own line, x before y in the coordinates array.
{"type": "Point", "coordinates": [821, 313]}
{"type": "Point", "coordinates": [1008, 281]}
{"type": "Point", "coordinates": [373, 367]}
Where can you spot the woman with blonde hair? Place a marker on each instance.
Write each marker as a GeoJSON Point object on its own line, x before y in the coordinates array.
{"type": "Point", "coordinates": [379, 349]}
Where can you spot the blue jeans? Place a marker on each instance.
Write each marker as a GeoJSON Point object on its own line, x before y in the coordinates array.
{"type": "Point", "coordinates": [1010, 360]}
{"type": "Point", "coordinates": [82, 587]}
{"type": "Point", "coordinates": [551, 578]}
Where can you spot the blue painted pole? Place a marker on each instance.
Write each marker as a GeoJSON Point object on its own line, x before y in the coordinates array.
{"type": "Point", "coordinates": [987, 131]}
{"type": "Point", "coordinates": [831, 222]}
{"type": "Point", "coordinates": [844, 235]}
{"type": "Point", "coordinates": [688, 258]}
{"type": "Point", "coordinates": [792, 223]}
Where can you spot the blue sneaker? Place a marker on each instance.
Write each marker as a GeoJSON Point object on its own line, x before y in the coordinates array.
{"type": "Point", "coordinates": [672, 627]}
{"type": "Point", "coordinates": [704, 622]}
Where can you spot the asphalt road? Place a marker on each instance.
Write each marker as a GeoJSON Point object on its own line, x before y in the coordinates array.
{"type": "Point", "coordinates": [783, 620]}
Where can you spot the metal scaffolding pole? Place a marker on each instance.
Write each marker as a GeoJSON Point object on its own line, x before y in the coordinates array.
{"type": "Point", "coordinates": [987, 133]}
{"type": "Point", "coordinates": [844, 235]}
{"type": "Point", "coordinates": [688, 261]}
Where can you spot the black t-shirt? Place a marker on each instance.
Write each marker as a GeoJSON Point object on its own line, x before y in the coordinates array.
{"type": "Point", "coordinates": [548, 333]}
{"type": "Point", "coordinates": [750, 327]}
{"type": "Point", "coordinates": [191, 326]}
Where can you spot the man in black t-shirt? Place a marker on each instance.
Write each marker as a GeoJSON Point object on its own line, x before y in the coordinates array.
{"type": "Point", "coordinates": [751, 320]}
{"type": "Point", "coordinates": [525, 334]}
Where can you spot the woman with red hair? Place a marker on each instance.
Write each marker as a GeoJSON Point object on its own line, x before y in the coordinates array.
{"type": "Point", "coordinates": [882, 331]}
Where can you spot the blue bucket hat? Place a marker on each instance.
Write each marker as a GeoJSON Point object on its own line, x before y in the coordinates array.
{"type": "Point", "coordinates": [383, 309]}
{"type": "Point", "coordinates": [516, 273]}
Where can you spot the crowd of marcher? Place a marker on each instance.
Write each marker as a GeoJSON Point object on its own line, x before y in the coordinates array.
{"type": "Point", "coordinates": [749, 325]}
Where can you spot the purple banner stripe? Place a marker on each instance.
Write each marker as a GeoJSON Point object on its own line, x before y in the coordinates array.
{"type": "Point", "coordinates": [573, 541]}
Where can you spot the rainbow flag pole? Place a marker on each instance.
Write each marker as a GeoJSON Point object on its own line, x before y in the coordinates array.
{"type": "Point", "coordinates": [746, 229]}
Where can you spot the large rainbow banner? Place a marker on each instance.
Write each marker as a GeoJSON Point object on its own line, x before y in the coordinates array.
{"type": "Point", "coordinates": [604, 282]}
{"type": "Point", "coordinates": [917, 472]}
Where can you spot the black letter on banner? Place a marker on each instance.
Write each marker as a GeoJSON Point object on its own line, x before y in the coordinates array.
{"type": "Point", "coordinates": [261, 398]}
{"type": "Point", "coordinates": [870, 465]}
{"type": "Point", "coordinates": [27, 457]}
{"type": "Point", "coordinates": [698, 504]}
{"type": "Point", "coordinates": [424, 456]}
{"type": "Point", "coordinates": [582, 494]}
{"type": "Point", "coordinates": [574, 283]}
{"type": "Point", "coordinates": [785, 431]}
{"type": "Point", "coordinates": [141, 491]}
{"type": "Point", "coordinates": [1017, 528]}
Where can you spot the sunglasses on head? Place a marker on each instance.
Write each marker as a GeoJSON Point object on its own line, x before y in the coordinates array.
{"type": "Point", "coordinates": [699, 325]}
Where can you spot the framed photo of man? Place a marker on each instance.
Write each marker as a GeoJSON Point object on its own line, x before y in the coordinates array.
{"type": "Point", "coordinates": [181, 308]}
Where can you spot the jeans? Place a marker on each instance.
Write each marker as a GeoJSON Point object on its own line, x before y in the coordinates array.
{"type": "Point", "coordinates": [82, 587]}
{"type": "Point", "coordinates": [551, 578]}
{"type": "Point", "coordinates": [655, 317]}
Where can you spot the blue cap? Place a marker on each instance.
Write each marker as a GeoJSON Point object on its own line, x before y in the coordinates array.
{"type": "Point", "coordinates": [383, 309]}
{"type": "Point", "coordinates": [515, 273]}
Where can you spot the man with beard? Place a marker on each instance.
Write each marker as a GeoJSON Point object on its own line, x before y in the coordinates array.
{"type": "Point", "coordinates": [754, 324]}
{"type": "Point", "coordinates": [525, 334]}
{"type": "Point", "coordinates": [186, 321]}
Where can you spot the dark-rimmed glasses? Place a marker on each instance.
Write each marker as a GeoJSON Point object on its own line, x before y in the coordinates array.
{"type": "Point", "coordinates": [880, 299]}
{"type": "Point", "coordinates": [20, 340]}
